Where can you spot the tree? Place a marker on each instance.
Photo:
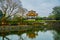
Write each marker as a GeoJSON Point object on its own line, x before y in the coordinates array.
{"type": "Point", "coordinates": [10, 7]}
{"type": "Point", "coordinates": [1, 14]}
{"type": "Point", "coordinates": [51, 17]}
{"type": "Point", "coordinates": [39, 18]}
{"type": "Point", "coordinates": [23, 11]}
{"type": "Point", "coordinates": [56, 12]}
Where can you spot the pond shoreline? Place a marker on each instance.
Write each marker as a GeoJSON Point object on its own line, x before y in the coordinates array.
{"type": "Point", "coordinates": [49, 25]}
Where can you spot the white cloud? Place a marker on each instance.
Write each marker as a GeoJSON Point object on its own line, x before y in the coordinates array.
{"type": "Point", "coordinates": [43, 7]}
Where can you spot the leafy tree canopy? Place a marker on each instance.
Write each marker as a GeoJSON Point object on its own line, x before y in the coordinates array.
{"type": "Point", "coordinates": [56, 12]}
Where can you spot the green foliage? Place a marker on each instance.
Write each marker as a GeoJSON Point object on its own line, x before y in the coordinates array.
{"type": "Point", "coordinates": [40, 21]}
{"type": "Point", "coordinates": [13, 22]}
{"type": "Point", "coordinates": [39, 18]}
{"type": "Point", "coordinates": [56, 12]}
{"type": "Point", "coordinates": [51, 17]}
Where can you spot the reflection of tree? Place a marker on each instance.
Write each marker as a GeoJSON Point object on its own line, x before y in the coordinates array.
{"type": "Point", "coordinates": [56, 36]}
{"type": "Point", "coordinates": [20, 35]}
{"type": "Point", "coordinates": [21, 38]}
{"type": "Point", "coordinates": [32, 34]}
{"type": "Point", "coordinates": [4, 37]}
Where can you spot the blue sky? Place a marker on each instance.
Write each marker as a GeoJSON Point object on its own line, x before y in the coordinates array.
{"type": "Point", "coordinates": [42, 7]}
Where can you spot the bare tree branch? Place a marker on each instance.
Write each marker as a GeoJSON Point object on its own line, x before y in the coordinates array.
{"type": "Point", "coordinates": [10, 8]}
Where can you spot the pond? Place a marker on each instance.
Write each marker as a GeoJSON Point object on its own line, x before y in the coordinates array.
{"type": "Point", "coordinates": [34, 34]}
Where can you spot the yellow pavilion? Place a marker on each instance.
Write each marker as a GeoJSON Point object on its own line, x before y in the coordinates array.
{"type": "Point", "coordinates": [31, 15]}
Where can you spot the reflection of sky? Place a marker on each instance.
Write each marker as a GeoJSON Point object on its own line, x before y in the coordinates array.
{"type": "Point", "coordinates": [45, 36]}
{"type": "Point", "coordinates": [43, 7]}
{"type": "Point", "coordinates": [41, 36]}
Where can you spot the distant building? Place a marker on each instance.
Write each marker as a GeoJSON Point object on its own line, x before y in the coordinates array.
{"type": "Point", "coordinates": [31, 15]}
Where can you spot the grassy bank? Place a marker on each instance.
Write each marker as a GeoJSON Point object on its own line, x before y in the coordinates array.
{"type": "Point", "coordinates": [29, 22]}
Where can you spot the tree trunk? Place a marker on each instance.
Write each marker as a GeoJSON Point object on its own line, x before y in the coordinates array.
{"type": "Point", "coordinates": [3, 18]}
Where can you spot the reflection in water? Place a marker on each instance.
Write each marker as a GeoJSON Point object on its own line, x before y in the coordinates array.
{"type": "Point", "coordinates": [56, 36]}
{"type": "Point", "coordinates": [13, 37]}
{"type": "Point", "coordinates": [3, 37]}
{"type": "Point", "coordinates": [34, 34]}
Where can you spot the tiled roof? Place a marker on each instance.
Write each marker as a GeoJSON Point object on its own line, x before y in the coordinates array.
{"type": "Point", "coordinates": [32, 13]}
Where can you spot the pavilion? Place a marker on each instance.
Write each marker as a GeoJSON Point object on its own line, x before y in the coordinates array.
{"type": "Point", "coordinates": [31, 15]}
